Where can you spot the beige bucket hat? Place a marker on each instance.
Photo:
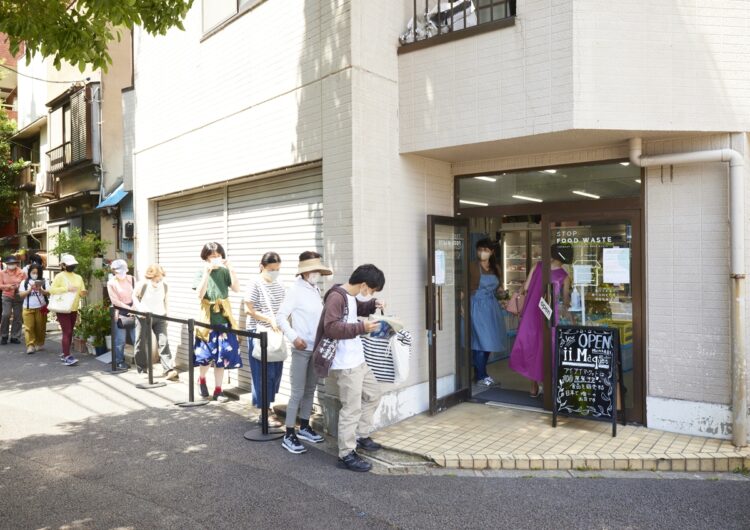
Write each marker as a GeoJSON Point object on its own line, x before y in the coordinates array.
{"type": "Point", "coordinates": [313, 265]}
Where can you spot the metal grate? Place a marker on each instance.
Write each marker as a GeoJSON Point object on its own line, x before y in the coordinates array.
{"type": "Point", "coordinates": [438, 17]}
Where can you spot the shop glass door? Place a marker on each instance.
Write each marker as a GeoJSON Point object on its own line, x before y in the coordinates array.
{"type": "Point", "coordinates": [447, 308]}
{"type": "Point", "coordinates": [600, 285]}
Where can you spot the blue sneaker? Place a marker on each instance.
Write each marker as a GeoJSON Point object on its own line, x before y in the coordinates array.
{"type": "Point", "coordinates": [70, 361]}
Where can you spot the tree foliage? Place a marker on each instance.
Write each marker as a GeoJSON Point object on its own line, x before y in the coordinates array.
{"type": "Point", "coordinates": [78, 31]}
{"type": "Point", "coordinates": [8, 169]}
{"type": "Point", "coordinates": [85, 247]}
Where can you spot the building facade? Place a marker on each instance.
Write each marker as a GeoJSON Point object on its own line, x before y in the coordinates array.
{"type": "Point", "coordinates": [307, 124]}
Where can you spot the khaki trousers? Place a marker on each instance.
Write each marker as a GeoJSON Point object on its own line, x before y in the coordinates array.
{"type": "Point", "coordinates": [34, 327]}
{"type": "Point", "coordinates": [359, 393]}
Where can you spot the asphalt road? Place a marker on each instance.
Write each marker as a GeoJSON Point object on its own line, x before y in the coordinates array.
{"type": "Point", "coordinates": [80, 449]}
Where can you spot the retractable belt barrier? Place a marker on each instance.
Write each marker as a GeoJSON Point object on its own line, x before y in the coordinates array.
{"type": "Point", "coordinates": [264, 434]}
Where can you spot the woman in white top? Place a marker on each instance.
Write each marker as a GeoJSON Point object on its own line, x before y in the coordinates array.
{"type": "Point", "coordinates": [34, 291]}
{"type": "Point", "coordinates": [263, 290]}
{"type": "Point", "coordinates": [150, 296]}
{"type": "Point", "coordinates": [303, 305]}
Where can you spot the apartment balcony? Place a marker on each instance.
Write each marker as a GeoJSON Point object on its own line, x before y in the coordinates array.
{"type": "Point", "coordinates": [566, 75]}
{"type": "Point", "coordinates": [27, 177]}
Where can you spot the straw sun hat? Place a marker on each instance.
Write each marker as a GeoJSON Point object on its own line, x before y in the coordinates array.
{"type": "Point", "coordinates": [313, 265]}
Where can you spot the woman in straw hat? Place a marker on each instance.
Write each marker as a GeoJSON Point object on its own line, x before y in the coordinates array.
{"type": "Point", "coordinates": [303, 306]}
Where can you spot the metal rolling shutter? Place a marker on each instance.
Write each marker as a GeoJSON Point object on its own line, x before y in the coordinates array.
{"type": "Point", "coordinates": [184, 225]}
{"type": "Point", "coordinates": [280, 214]}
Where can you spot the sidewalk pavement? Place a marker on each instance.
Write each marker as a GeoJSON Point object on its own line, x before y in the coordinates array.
{"type": "Point", "coordinates": [479, 436]}
{"type": "Point", "coordinates": [488, 437]}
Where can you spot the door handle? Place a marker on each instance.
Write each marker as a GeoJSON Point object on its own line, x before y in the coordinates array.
{"type": "Point", "coordinates": [440, 307]}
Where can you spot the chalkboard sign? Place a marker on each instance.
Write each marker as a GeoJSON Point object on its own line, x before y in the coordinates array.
{"type": "Point", "coordinates": [585, 378]}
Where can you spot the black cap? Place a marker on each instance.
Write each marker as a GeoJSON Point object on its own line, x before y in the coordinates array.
{"type": "Point", "coordinates": [10, 259]}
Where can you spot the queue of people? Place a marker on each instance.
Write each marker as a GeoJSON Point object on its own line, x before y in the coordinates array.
{"type": "Point", "coordinates": [320, 333]}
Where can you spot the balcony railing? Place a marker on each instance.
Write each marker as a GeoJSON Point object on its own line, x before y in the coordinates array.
{"type": "Point", "coordinates": [60, 157]}
{"type": "Point", "coordinates": [26, 179]}
{"type": "Point", "coordinates": [435, 18]}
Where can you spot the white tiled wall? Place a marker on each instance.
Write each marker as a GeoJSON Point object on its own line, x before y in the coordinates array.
{"type": "Point", "coordinates": [640, 65]}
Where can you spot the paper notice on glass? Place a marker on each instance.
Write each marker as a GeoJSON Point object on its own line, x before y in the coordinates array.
{"type": "Point", "coordinates": [616, 265]}
{"type": "Point", "coordinates": [439, 267]}
{"type": "Point", "coordinates": [583, 275]}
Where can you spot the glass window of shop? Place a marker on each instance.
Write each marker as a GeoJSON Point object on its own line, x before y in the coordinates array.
{"type": "Point", "coordinates": [611, 180]}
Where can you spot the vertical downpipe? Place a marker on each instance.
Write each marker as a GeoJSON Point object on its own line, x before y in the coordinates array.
{"type": "Point", "coordinates": [739, 365]}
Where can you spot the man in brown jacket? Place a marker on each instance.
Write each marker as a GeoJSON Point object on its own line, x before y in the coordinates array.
{"type": "Point", "coordinates": [359, 391]}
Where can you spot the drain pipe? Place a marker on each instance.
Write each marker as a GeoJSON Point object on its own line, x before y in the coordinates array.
{"type": "Point", "coordinates": [737, 257]}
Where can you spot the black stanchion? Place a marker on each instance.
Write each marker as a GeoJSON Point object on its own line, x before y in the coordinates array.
{"type": "Point", "coordinates": [191, 371]}
{"type": "Point", "coordinates": [113, 369]}
{"type": "Point", "coordinates": [146, 335]}
{"type": "Point", "coordinates": [263, 433]}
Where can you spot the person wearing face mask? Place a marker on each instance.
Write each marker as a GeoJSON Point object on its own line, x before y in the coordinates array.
{"type": "Point", "coordinates": [303, 306]}
{"type": "Point", "coordinates": [264, 290]}
{"type": "Point", "coordinates": [35, 291]}
{"type": "Point", "coordinates": [68, 281]}
{"type": "Point", "coordinates": [359, 391]}
{"type": "Point", "coordinates": [215, 348]}
{"type": "Point", "coordinates": [10, 281]}
{"type": "Point", "coordinates": [488, 332]}
{"type": "Point", "coordinates": [120, 289]}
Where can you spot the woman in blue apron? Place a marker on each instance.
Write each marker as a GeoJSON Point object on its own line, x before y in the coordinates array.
{"type": "Point", "coordinates": [487, 321]}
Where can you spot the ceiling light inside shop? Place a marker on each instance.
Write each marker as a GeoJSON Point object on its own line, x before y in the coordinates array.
{"type": "Point", "coordinates": [550, 171]}
{"type": "Point", "coordinates": [626, 164]}
{"type": "Point", "coordinates": [525, 198]}
{"type": "Point", "coordinates": [638, 181]}
{"type": "Point", "coordinates": [472, 203]}
{"type": "Point", "coordinates": [584, 194]}
{"type": "Point", "coordinates": [486, 179]}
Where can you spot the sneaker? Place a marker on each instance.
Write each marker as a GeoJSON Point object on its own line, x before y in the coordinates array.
{"type": "Point", "coordinates": [4, 340]}
{"type": "Point", "coordinates": [62, 357]}
{"type": "Point", "coordinates": [15, 341]}
{"type": "Point", "coordinates": [30, 350]}
{"type": "Point", "coordinates": [204, 390]}
{"type": "Point", "coordinates": [354, 462]}
{"type": "Point", "coordinates": [487, 381]}
{"type": "Point", "coordinates": [368, 444]}
{"type": "Point", "coordinates": [292, 444]}
{"type": "Point", "coordinates": [70, 361]}
{"type": "Point", "coordinates": [307, 434]}
{"type": "Point", "coordinates": [39, 348]}
{"type": "Point", "coordinates": [220, 397]}
{"type": "Point", "coordinates": [122, 366]}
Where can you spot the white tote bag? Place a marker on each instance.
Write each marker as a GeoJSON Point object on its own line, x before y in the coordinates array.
{"type": "Point", "coordinates": [63, 302]}
{"type": "Point", "coordinates": [400, 349]}
{"type": "Point", "coordinates": [277, 348]}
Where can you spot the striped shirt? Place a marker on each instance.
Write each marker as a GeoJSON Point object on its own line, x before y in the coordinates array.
{"type": "Point", "coordinates": [379, 357]}
{"type": "Point", "coordinates": [274, 292]}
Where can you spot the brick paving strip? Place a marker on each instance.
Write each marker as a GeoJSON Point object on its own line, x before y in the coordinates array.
{"type": "Point", "coordinates": [482, 437]}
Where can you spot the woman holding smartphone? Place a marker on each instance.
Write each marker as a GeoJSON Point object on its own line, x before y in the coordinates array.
{"type": "Point", "coordinates": [34, 291]}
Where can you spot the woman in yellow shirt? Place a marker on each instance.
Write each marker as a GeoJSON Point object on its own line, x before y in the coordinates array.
{"type": "Point", "coordinates": [68, 281]}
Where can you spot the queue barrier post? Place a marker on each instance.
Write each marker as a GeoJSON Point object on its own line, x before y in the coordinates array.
{"type": "Point", "coordinates": [113, 369]}
{"type": "Point", "coordinates": [146, 327]}
{"type": "Point", "coordinates": [191, 370]}
{"type": "Point", "coordinates": [263, 433]}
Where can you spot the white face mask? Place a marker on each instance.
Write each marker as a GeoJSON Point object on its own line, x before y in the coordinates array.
{"type": "Point", "coordinates": [313, 278]}
{"type": "Point", "coordinates": [121, 274]}
{"type": "Point", "coordinates": [217, 262]}
{"type": "Point", "coordinates": [11, 267]}
{"type": "Point", "coordinates": [364, 297]}
{"type": "Point", "coordinates": [484, 255]}
{"type": "Point", "coordinates": [34, 276]}
{"type": "Point", "coordinates": [271, 275]}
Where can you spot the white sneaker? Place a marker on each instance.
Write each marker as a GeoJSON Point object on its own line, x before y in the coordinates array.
{"type": "Point", "coordinates": [30, 350]}
{"type": "Point", "coordinates": [487, 381]}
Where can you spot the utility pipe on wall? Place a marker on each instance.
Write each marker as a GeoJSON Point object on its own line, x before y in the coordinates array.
{"type": "Point", "coordinates": [737, 267]}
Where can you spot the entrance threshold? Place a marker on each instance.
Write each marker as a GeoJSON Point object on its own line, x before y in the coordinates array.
{"type": "Point", "coordinates": [507, 396]}
{"type": "Point", "coordinates": [516, 407]}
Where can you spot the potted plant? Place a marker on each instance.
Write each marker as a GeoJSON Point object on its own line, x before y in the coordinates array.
{"type": "Point", "coordinates": [94, 323]}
